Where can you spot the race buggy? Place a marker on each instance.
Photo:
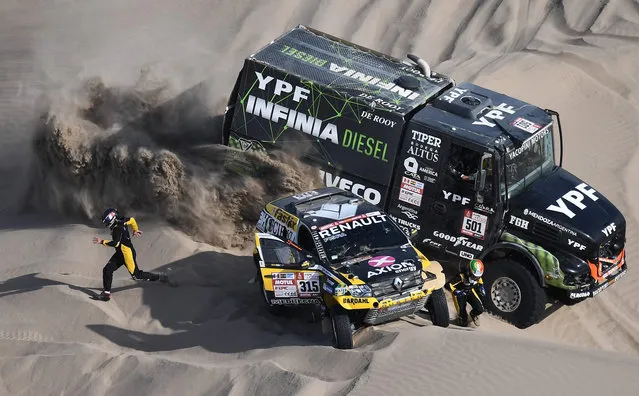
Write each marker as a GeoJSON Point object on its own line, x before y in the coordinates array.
{"type": "Point", "coordinates": [474, 172]}
{"type": "Point", "coordinates": [333, 250]}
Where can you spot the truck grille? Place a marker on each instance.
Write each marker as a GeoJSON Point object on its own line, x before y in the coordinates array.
{"type": "Point", "coordinates": [385, 287]}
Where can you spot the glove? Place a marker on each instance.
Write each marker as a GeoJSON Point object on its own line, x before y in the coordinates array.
{"type": "Point", "coordinates": [482, 290]}
{"type": "Point", "coordinates": [458, 293]}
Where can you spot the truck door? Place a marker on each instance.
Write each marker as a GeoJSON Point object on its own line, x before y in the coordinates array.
{"type": "Point", "coordinates": [468, 213]}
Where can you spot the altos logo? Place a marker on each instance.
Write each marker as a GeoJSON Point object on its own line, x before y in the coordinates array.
{"type": "Point", "coordinates": [460, 240]}
{"type": "Point", "coordinates": [455, 198]}
{"type": "Point", "coordinates": [370, 194]}
{"type": "Point", "coordinates": [575, 198]}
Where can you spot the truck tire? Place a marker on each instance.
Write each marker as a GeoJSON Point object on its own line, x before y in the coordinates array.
{"type": "Point", "coordinates": [513, 293]}
{"type": "Point", "coordinates": [438, 308]}
{"type": "Point", "coordinates": [276, 310]}
{"type": "Point", "coordinates": [342, 330]}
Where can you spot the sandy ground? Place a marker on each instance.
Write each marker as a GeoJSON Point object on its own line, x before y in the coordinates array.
{"type": "Point", "coordinates": [208, 335]}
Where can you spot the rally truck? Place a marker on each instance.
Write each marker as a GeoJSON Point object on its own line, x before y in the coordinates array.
{"type": "Point", "coordinates": [336, 252]}
{"type": "Point", "coordinates": [472, 172]}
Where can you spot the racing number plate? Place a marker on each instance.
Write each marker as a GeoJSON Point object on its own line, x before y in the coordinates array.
{"type": "Point", "coordinates": [308, 284]}
{"type": "Point", "coordinates": [474, 224]}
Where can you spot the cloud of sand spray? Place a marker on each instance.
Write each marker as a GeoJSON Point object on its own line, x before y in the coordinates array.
{"type": "Point", "coordinates": [129, 148]}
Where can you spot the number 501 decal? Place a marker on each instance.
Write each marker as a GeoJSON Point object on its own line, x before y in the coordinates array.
{"type": "Point", "coordinates": [474, 224]}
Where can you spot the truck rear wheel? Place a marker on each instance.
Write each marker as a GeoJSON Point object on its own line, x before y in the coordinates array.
{"type": "Point", "coordinates": [513, 294]}
{"type": "Point", "coordinates": [438, 308]}
{"type": "Point", "coordinates": [342, 329]}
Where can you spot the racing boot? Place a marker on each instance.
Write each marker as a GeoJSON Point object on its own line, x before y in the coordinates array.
{"type": "Point", "coordinates": [462, 321]}
{"type": "Point", "coordinates": [104, 296]}
{"type": "Point", "coordinates": [475, 318]}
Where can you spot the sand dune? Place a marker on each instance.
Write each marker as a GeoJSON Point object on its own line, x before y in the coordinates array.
{"type": "Point", "coordinates": [206, 333]}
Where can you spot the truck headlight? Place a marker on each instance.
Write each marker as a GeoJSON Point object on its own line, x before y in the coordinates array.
{"type": "Point", "coordinates": [360, 291]}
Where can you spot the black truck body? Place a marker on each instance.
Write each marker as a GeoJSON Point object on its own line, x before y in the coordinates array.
{"type": "Point", "coordinates": [388, 130]}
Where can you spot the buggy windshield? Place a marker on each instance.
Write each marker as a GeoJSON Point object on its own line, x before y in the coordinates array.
{"type": "Point", "coordinates": [358, 235]}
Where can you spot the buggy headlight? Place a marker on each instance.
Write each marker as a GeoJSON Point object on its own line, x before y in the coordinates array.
{"type": "Point", "coordinates": [360, 291]}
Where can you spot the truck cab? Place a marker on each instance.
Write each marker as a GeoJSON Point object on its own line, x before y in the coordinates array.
{"type": "Point", "coordinates": [466, 171]}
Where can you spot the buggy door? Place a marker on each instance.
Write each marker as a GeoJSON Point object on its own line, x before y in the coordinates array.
{"type": "Point", "coordinates": [286, 271]}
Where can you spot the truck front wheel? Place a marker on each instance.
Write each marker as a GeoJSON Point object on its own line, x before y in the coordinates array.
{"type": "Point", "coordinates": [513, 293]}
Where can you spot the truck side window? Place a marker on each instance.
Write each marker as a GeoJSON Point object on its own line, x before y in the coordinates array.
{"type": "Point", "coordinates": [463, 164]}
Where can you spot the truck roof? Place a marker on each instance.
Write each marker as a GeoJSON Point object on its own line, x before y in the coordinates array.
{"type": "Point", "coordinates": [358, 73]}
{"type": "Point", "coordinates": [483, 116]}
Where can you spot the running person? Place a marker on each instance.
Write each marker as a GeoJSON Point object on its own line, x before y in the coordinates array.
{"type": "Point", "coordinates": [124, 251]}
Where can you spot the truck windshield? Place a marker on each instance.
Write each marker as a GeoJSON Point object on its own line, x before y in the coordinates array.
{"type": "Point", "coordinates": [359, 235]}
{"type": "Point", "coordinates": [534, 158]}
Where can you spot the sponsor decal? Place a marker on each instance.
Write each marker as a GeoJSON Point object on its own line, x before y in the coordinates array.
{"type": "Point", "coordinates": [483, 208]}
{"type": "Point", "coordinates": [543, 219]}
{"type": "Point", "coordinates": [303, 56]}
{"type": "Point", "coordinates": [576, 244]}
{"type": "Point", "coordinates": [370, 194]}
{"type": "Point", "coordinates": [609, 229]}
{"type": "Point", "coordinates": [352, 300]}
{"type": "Point", "coordinates": [411, 191]}
{"type": "Point", "coordinates": [305, 123]}
{"type": "Point", "coordinates": [424, 146]}
{"type": "Point", "coordinates": [381, 261]}
{"type": "Point", "coordinates": [246, 145]}
{"type": "Point", "coordinates": [606, 285]}
{"type": "Point", "coordinates": [517, 222]}
{"type": "Point", "coordinates": [474, 224]}
{"type": "Point", "coordinates": [410, 215]}
{"type": "Point", "coordinates": [328, 288]}
{"type": "Point", "coordinates": [495, 113]}
{"type": "Point", "coordinates": [373, 81]}
{"type": "Point", "coordinates": [356, 260]}
{"type": "Point", "coordinates": [392, 268]}
{"type": "Point", "coordinates": [378, 119]}
{"type": "Point", "coordinates": [283, 275]}
{"type": "Point", "coordinates": [466, 255]}
{"type": "Point", "coordinates": [271, 225]}
{"type": "Point", "coordinates": [308, 284]}
{"type": "Point", "coordinates": [295, 301]}
{"type": "Point", "coordinates": [406, 209]}
{"type": "Point", "coordinates": [455, 198]}
{"type": "Point", "coordinates": [286, 218]}
{"type": "Point", "coordinates": [432, 243]}
{"type": "Point", "coordinates": [318, 245]}
{"type": "Point", "coordinates": [528, 143]}
{"type": "Point", "coordinates": [579, 294]}
{"type": "Point", "coordinates": [575, 198]}
{"type": "Point", "coordinates": [405, 223]}
{"type": "Point", "coordinates": [304, 195]}
{"type": "Point", "coordinates": [411, 167]}
{"type": "Point", "coordinates": [460, 240]}
{"type": "Point", "coordinates": [375, 217]}
{"type": "Point", "coordinates": [453, 94]}
{"type": "Point", "coordinates": [525, 125]}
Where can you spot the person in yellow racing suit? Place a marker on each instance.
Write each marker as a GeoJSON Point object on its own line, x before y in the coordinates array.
{"type": "Point", "coordinates": [124, 251]}
{"type": "Point", "coordinates": [468, 287]}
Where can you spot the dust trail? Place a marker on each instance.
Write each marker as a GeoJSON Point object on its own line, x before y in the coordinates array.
{"type": "Point", "coordinates": [130, 148]}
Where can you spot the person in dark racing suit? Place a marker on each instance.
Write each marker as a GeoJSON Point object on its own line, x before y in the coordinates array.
{"type": "Point", "coordinates": [124, 251]}
{"type": "Point", "coordinates": [468, 287]}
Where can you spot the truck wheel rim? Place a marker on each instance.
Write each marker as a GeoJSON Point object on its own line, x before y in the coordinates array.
{"type": "Point", "coordinates": [505, 294]}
